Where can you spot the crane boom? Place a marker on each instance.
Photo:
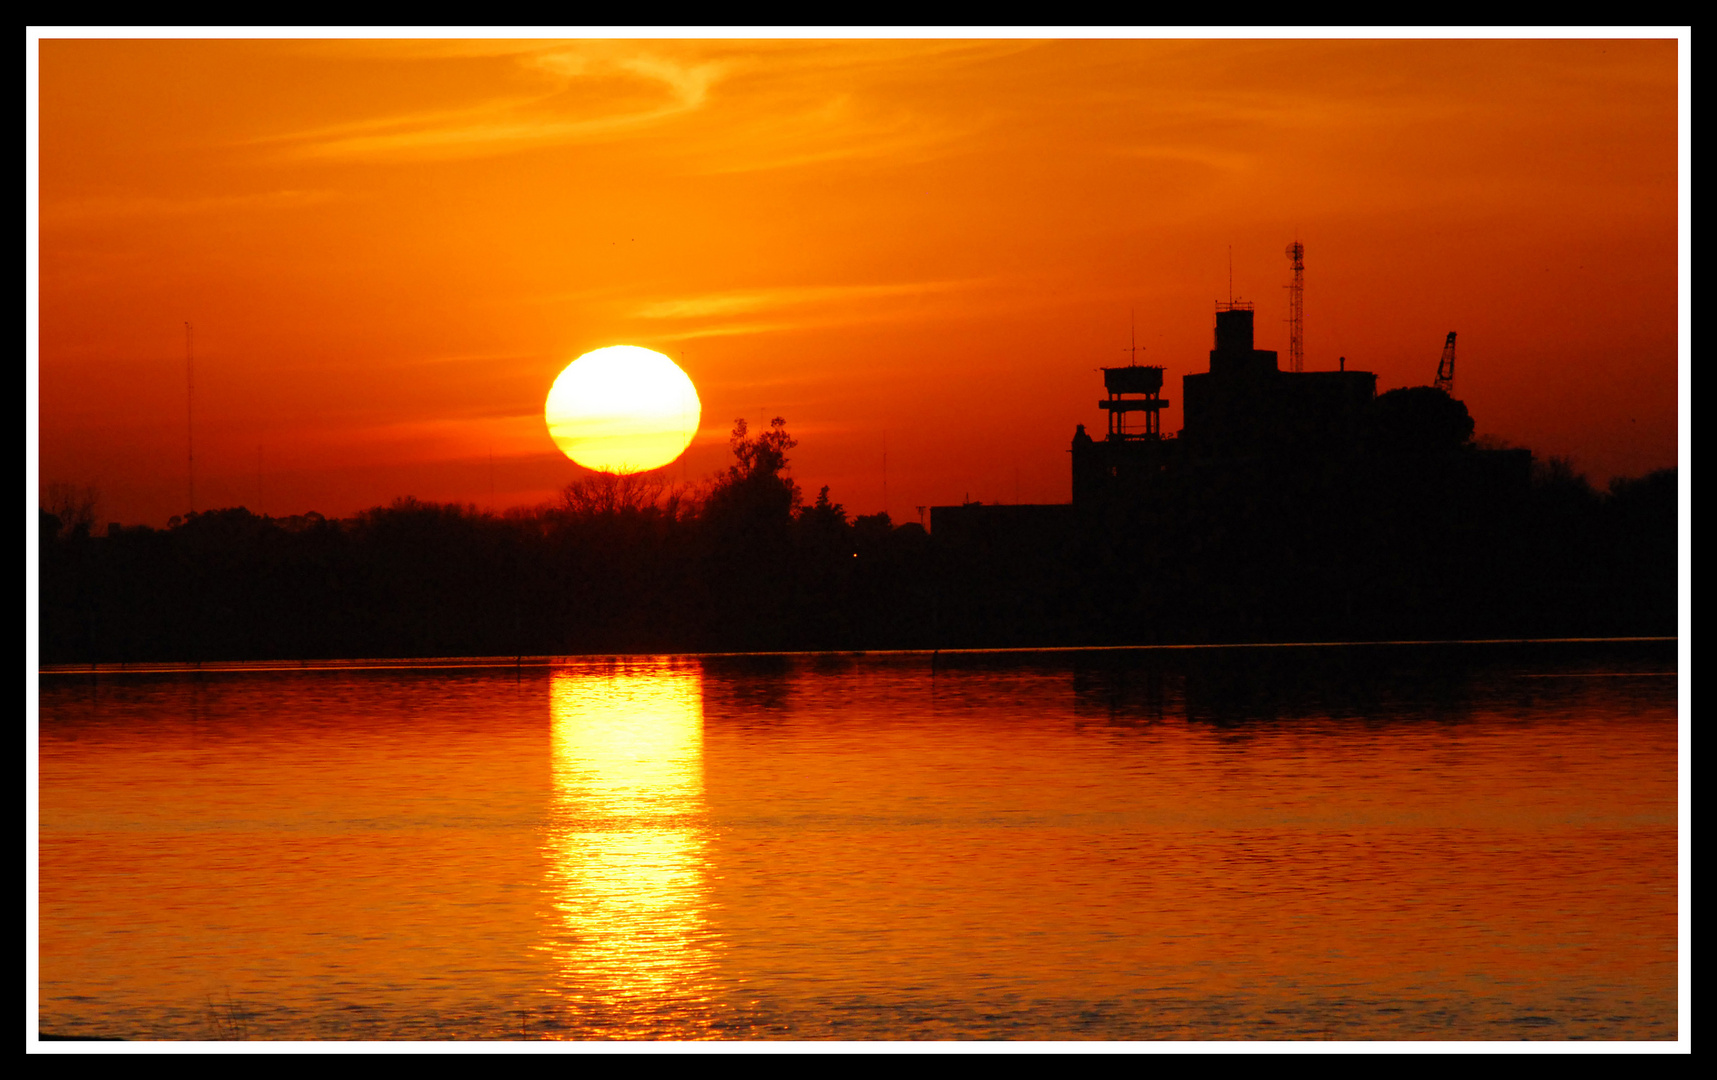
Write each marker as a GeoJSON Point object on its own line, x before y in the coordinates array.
{"type": "Point", "coordinates": [1446, 367]}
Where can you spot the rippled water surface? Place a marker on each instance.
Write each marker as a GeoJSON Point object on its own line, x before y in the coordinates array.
{"type": "Point", "coordinates": [1376, 843]}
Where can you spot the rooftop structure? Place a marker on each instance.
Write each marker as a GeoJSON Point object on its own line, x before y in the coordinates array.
{"type": "Point", "coordinates": [1244, 407]}
{"type": "Point", "coordinates": [1123, 383]}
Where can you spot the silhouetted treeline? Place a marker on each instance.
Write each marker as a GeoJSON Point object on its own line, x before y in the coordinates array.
{"type": "Point", "coordinates": [1387, 544]}
{"type": "Point", "coordinates": [622, 564]}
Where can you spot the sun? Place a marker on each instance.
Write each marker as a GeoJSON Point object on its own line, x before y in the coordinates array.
{"type": "Point", "coordinates": [622, 409]}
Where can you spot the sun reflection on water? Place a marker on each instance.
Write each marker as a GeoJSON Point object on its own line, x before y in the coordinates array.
{"type": "Point", "coordinates": [626, 847]}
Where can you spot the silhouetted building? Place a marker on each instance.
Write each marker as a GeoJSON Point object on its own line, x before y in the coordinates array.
{"type": "Point", "coordinates": [1290, 503]}
{"type": "Point", "coordinates": [1027, 526]}
{"type": "Point", "coordinates": [1246, 404]}
{"type": "Point", "coordinates": [1244, 408]}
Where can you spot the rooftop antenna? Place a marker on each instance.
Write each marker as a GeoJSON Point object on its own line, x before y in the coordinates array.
{"type": "Point", "coordinates": [885, 476]}
{"type": "Point", "coordinates": [1297, 308]}
{"type": "Point", "coordinates": [1231, 274]}
{"type": "Point", "coordinates": [190, 458]}
{"type": "Point", "coordinates": [1134, 349]}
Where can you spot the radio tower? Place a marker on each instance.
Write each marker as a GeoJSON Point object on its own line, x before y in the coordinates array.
{"type": "Point", "coordinates": [1446, 367]}
{"type": "Point", "coordinates": [190, 460]}
{"type": "Point", "coordinates": [1297, 308]}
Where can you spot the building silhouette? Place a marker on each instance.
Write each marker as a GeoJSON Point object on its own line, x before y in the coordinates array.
{"type": "Point", "coordinates": [1289, 503]}
{"type": "Point", "coordinates": [1244, 410]}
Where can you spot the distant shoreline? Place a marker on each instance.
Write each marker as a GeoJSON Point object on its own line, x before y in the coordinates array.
{"type": "Point", "coordinates": [547, 661]}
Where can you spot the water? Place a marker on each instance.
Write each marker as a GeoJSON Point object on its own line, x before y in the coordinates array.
{"type": "Point", "coordinates": [1380, 843]}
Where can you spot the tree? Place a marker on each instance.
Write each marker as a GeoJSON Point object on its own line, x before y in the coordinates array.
{"type": "Point", "coordinates": [1417, 420]}
{"type": "Point", "coordinates": [608, 494]}
{"type": "Point", "coordinates": [74, 508]}
{"type": "Point", "coordinates": [755, 488]}
{"type": "Point", "coordinates": [823, 517]}
{"type": "Point", "coordinates": [748, 523]}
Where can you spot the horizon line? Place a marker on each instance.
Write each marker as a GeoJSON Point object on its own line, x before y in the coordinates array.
{"type": "Point", "coordinates": [565, 659]}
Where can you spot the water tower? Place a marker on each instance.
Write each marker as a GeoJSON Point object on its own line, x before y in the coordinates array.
{"type": "Point", "coordinates": [1135, 388]}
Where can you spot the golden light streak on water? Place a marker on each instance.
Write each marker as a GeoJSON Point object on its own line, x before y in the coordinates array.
{"type": "Point", "coordinates": [1340, 844]}
{"type": "Point", "coordinates": [626, 846]}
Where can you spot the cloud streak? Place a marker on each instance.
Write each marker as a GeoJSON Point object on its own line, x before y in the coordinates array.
{"type": "Point", "coordinates": [793, 308]}
{"type": "Point", "coordinates": [757, 105]}
{"type": "Point", "coordinates": [584, 93]}
{"type": "Point", "coordinates": [740, 301]}
{"type": "Point", "coordinates": [110, 207]}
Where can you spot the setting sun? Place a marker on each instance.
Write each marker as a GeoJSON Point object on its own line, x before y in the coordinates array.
{"type": "Point", "coordinates": [622, 409]}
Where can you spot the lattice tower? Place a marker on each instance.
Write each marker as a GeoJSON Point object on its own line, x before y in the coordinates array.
{"type": "Point", "coordinates": [1297, 308]}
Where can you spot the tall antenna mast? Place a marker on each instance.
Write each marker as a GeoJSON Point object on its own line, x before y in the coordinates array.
{"type": "Point", "coordinates": [1297, 308]}
{"type": "Point", "coordinates": [1231, 275]}
{"type": "Point", "coordinates": [1133, 350]}
{"type": "Point", "coordinates": [190, 459]}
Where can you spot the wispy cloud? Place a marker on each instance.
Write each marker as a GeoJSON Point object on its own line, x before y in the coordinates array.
{"type": "Point", "coordinates": [758, 105]}
{"type": "Point", "coordinates": [732, 329]}
{"type": "Point", "coordinates": [108, 207]}
{"type": "Point", "coordinates": [794, 307]}
{"type": "Point", "coordinates": [442, 438]}
{"type": "Point", "coordinates": [730, 303]}
{"type": "Point", "coordinates": [825, 102]}
{"type": "Point", "coordinates": [589, 91]}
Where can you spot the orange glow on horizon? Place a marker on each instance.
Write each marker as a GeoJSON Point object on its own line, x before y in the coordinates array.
{"type": "Point", "coordinates": [390, 248]}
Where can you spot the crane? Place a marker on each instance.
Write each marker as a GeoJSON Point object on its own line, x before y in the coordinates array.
{"type": "Point", "coordinates": [1446, 367]}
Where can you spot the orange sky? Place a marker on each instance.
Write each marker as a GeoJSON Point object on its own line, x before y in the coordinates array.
{"type": "Point", "coordinates": [390, 249]}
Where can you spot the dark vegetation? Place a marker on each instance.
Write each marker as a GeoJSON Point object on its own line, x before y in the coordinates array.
{"type": "Point", "coordinates": [1407, 538]}
{"type": "Point", "coordinates": [621, 564]}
